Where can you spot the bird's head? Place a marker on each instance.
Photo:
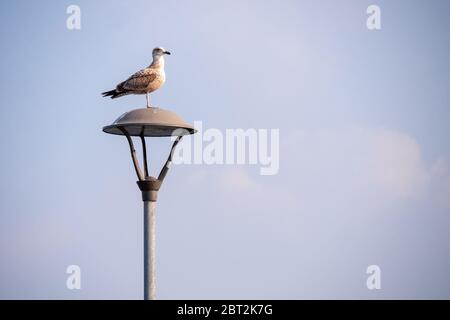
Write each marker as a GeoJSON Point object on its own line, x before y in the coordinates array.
{"type": "Point", "coordinates": [159, 52]}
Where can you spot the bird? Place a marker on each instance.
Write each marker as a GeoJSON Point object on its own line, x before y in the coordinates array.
{"type": "Point", "coordinates": [144, 81]}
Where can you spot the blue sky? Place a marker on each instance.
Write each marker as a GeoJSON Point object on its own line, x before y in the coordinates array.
{"type": "Point", "coordinates": [364, 156]}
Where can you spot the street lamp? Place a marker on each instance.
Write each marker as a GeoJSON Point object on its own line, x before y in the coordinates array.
{"type": "Point", "coordinates": [149, 122]}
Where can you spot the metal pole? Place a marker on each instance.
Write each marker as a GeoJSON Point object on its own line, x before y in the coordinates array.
{"type": "Point", "coordinates": [149, 250]}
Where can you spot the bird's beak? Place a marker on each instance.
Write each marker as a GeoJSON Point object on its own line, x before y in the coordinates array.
{"type": "Point", "coordinates": [167, 52]}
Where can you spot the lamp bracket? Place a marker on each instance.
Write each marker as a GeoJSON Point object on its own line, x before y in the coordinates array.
{"type": "Point", "coordinates": [148, 185]}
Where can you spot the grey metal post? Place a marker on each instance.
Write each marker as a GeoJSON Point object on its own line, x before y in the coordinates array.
{"type": "Point", "coordinates": [149, 250]}
{"type": "Point", "coordinates": [149, 122]}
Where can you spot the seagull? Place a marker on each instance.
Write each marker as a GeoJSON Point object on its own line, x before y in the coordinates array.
{"type": "Point", "coordinates": [144, 81]}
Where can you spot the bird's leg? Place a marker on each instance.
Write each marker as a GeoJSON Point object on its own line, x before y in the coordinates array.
{"type": "Point", "coordinates": [146, 96]}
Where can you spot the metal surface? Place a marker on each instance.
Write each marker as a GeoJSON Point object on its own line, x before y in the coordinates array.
{"type": "Point", "coordinates": [150, 122]}
{"type": "Point", "coordinates": [144, 155]}
{"type": "Point", "coordinates": [133, 154]}
{"type": "Point", "coordinates": [149, 250]}
{"type": "Point", "coordinates": [166, 167]}
{"type": "Point", "coordinates": [149, 188]}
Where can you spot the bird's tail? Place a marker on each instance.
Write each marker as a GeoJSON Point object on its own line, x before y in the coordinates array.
{"type": "Point", "coordinates": [112, 93]}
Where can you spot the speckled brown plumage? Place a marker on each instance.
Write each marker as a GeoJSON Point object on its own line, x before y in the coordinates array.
{"type": "Point", "coordinates": [144, 81]}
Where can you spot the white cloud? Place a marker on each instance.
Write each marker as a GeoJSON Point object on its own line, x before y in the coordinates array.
{"type": "Point", "coordinates": [351, 168]}
{"type": "Point", "coordinates": [395, 163]}
{"type": "Point", "coordinates": [237, 179]}
{"type": "Point", "coordinates": [380, 162]}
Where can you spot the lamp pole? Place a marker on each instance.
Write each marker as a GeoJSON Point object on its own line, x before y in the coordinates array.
{"type": "Point", "coordinates": [149, 250]}
{"type": "Point", "coordinates": [149, 188]}
{"type": "Point", "coordinates": [149, 122]}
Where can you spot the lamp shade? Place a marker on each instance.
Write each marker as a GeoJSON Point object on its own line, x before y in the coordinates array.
{"type": "Point", "coordinates": [150, 122]}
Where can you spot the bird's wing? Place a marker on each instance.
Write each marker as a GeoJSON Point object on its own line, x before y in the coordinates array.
{"type": "Point", "coordinates": [140, 80]}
